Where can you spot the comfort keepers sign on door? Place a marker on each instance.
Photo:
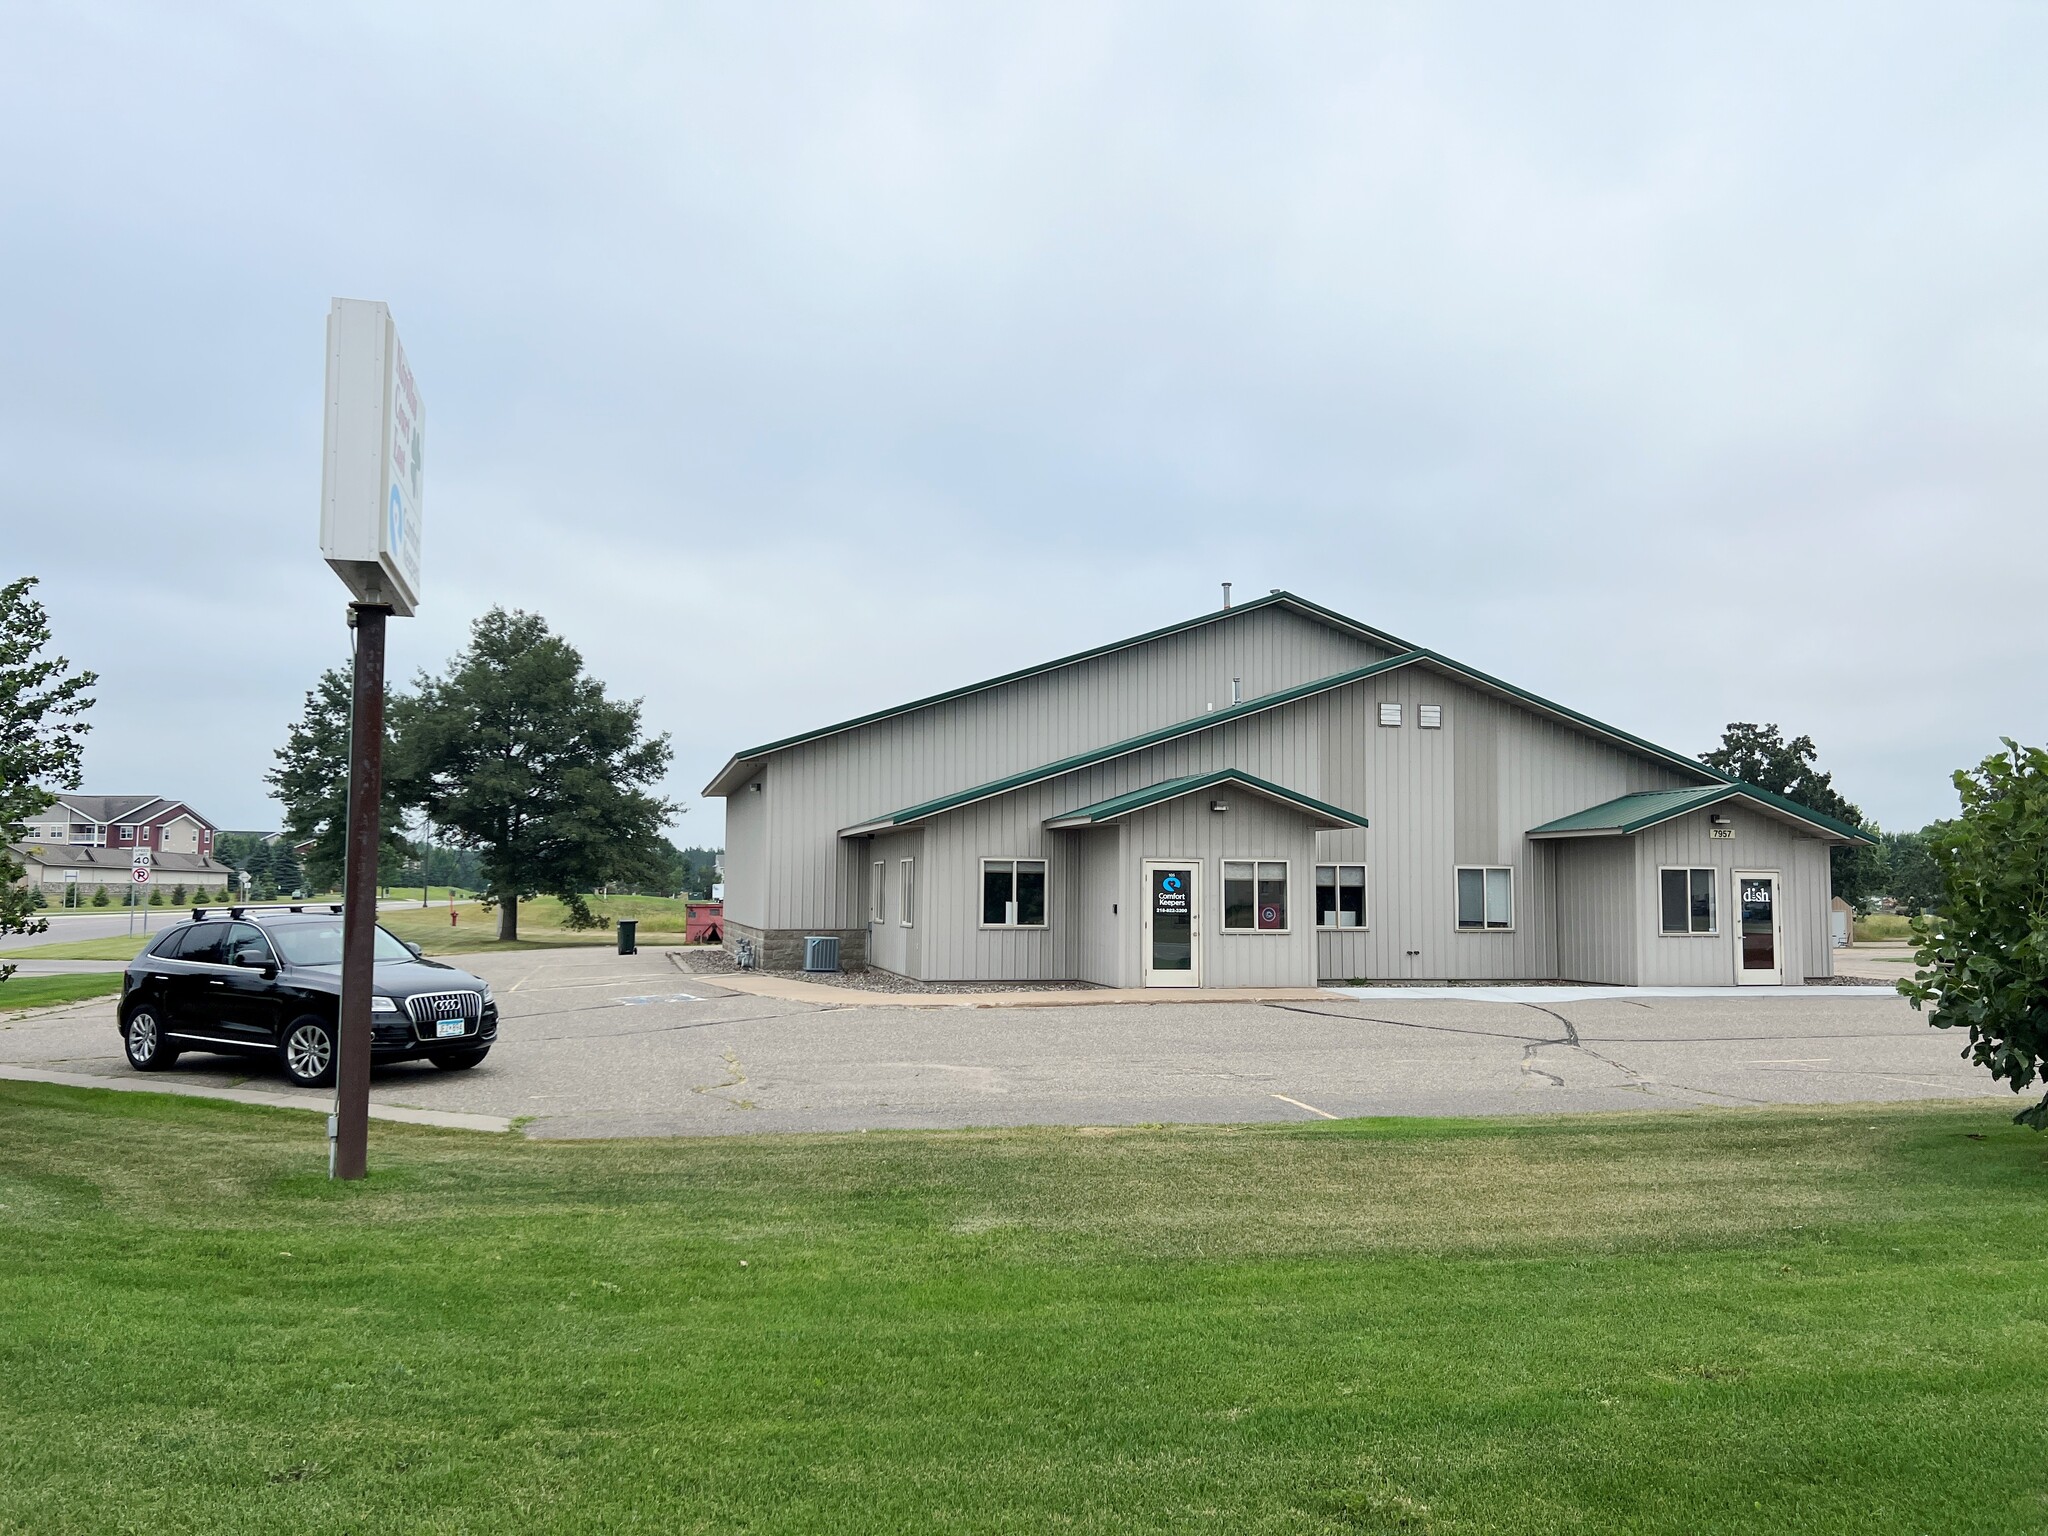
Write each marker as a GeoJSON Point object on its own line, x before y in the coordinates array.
{"type": "Point", "coordinates": [1169, 893]}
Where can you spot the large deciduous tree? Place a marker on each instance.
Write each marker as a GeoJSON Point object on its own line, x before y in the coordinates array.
{"type": "Point", "coordinates": [1760, 755]}
{"type": "Point", "coordinates": [1983, 955]}
{"type": "Point", "coordinates": [42, 738]}
{"type": "Point", "coordinates": [514, 751]}
{"type": "Point", "coordinates": [311, 782]}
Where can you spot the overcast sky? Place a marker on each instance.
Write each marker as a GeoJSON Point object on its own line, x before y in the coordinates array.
{"type": "Point", "coordinates": [794, 361]}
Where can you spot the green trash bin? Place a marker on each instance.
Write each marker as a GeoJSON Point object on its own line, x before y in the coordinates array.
{"type": "Point", "coordinates": [628, 927]}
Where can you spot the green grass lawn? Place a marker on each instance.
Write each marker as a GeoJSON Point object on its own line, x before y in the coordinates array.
{"type": "Point", "coordinates": [1810, 1321]}
{"type": "Point", "coordinates": [475, 930]}
{"type": "Point", "coordinates": [122, 946]}
{"type": "Point", "coordinates": [45, 991]}
{"type": "Point", "coordinates": [541, 924]}
{"type": "Point", "coordinates": [1882, 925]}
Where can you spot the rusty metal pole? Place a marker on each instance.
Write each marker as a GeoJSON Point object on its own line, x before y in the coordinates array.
{"type": "Point", "coordinates": [351, 1133]}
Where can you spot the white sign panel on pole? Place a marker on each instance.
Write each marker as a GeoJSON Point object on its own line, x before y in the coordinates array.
{"type": "Point", "coordinates": [138, 866]}
{"type": "Point", "coordinates": [373, 467]}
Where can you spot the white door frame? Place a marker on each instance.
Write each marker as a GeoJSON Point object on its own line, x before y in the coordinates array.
{"type": "Point", "coordinates": [1775, 977]}
{"type": "Point", "coordinates": [1192, 976]}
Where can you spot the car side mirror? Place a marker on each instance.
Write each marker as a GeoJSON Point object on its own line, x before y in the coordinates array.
{"type": "Point", "coordinates": [417, 952]}
{"type": "Point", "coordinates": [253, 963]}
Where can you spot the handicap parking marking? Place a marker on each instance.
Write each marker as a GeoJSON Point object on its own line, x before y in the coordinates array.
{"type": "Point", "coordinates": [667, 997]}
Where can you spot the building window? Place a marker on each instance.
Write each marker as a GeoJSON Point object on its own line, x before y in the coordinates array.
{"type": "Point", "coordinates": [1486, 898]}
{"type": "Point", "coordinates": [1688, 900]}
{"type": "Point", "coordinates": [1340, 895]}
{"type": "Point", "coordinates": [906, 909]}
{"type": "Point", "coordinates": [1013, 893]}
{"type": "Point", "coordinates": [1390, 714]}
{"type": "Point", "coordinates": [127, 834]}
{"type": "Point", "coordinates": [878, 890]}
{"type": "Point", "coordinates": [1254, 896]}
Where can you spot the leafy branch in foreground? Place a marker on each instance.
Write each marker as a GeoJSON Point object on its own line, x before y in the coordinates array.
{"type": "Point", "coordinates": [42, 739]}
{"type": "Point", "coordinates": [1983, 956]}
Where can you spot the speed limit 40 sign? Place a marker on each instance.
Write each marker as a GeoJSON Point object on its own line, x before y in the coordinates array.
{"type": "Point", "coordinates": [138, 866]}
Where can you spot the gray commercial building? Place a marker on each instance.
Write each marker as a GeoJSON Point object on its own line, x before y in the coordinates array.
{"type": "Point", "coordinates": [1269, 795]}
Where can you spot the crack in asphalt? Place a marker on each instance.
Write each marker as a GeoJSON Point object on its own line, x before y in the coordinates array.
{"type": "Point", "coordinates": [1634, 1081]}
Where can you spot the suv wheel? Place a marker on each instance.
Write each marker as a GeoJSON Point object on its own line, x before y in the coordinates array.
{"type": "Point", "coordinates": [309, 1053]}
{"type": "Point", "coordinates": [459, 1061]}
{"type": "Point", "coordinates": [149, 1049]}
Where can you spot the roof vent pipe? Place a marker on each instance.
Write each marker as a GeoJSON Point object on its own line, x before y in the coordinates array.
{"type": "Point", "coordinates": [1226, 594]}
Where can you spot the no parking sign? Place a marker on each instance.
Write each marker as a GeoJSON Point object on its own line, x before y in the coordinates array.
{"type": "Point", "coordinates": [138, 866]}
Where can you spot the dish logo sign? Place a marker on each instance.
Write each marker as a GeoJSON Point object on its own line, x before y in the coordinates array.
{"type": "Point", "coordinates": [1170, 893]}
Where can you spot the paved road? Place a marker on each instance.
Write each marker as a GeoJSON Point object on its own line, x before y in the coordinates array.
{"type": "Point", "coordinates": [594, 1044]}
{"type": "Point", "coordinates": [77, 927]}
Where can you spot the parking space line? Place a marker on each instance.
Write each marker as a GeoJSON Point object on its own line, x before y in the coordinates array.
{"type": "Point", "coordinates": [1309, 1107]}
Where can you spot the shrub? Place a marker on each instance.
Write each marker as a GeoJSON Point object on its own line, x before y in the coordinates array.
{"type": "Point", "coordinates": [177, 895]}
{"type": "Point", "coordinates": [99, 896]}
{"type": "Point", "coordinates": [1983, 956]}
{"type": "Point", "coordinates": [156, 895]}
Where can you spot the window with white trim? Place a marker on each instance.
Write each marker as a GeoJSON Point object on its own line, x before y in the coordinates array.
{"type": "Point", "coordinates": [1340, 895]}
{"type": "Point", "coordinates": [127, 833]}
{"type": "Point", "coordinates": [906, 907]}
{"type": "Point", "coordinates": [878, 890]}
{"type": "Point", "coordinates": [1486, 897]}
{"type": "Point", "coordinates": [1687, 900]}
{"type": "Point", "coordinates": [1254, 896]}
{"type": "Point", "coordinates": [1013, 893]}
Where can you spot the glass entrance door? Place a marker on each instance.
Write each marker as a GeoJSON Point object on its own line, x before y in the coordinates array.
{"type": "Point", "coordinates": [1760, 957]}
{"type": "Point", "coordinates": [1172, 937]}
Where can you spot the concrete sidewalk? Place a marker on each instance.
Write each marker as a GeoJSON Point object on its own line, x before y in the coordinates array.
{"type": "Point", "coordinates": [823, 995]}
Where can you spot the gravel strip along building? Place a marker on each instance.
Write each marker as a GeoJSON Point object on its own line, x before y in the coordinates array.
{"type": "Point", "coordinates": [1269, 795]}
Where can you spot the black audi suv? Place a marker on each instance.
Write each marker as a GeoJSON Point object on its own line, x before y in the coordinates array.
{"type": "Point", "coordinates": [267, 983]}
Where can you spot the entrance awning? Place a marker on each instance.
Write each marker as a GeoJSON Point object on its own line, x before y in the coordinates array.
{"type": "Point", "coordinates": [1630, 814]}
{"type": "Point", "coordinates": [1325, 817]}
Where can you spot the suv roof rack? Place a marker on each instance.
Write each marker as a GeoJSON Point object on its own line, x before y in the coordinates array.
{"type": "Point", "coordinates": [199, 914]}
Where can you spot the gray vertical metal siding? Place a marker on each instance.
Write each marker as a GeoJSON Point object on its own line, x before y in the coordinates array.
{"type": "Point", "coordinates": [811, 880]}
{"type": "Point", "coordinates": [1099, 909]}
{"type": "Point", "coordinates": [1465, 793]}
{"type": "Point", "coordinates": [1597, 910]}
{"type": "Point", "coordinates": [1251, 829]}
{"type": "Point", "coordinates": [746, 857]}
{"type": "Point", "coordinates": [890, 944]}
{"type": "Point", "coordinates": [1404, 779]}
{"type": "Point", "coordinates": [1760, 843]}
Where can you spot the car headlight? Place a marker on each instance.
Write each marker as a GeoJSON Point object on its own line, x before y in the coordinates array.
{"type": "Point", "coordinates": [382, 1004]}
{"type": "Point", "coordinates": [487, 992]}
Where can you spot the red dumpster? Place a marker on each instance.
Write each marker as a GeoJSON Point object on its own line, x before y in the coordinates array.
{"type": "Point", "coordinates": [705, 924]}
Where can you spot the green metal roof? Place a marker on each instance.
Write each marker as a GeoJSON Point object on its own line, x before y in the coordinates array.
{"type": "Point", "coordinates": [1089, 759]}
{"type": "Point", "coordinates": [1271, 600]}
{"type": "Point", "coordinates": [1631, 814]}
{"type": "Point", "coordinates": [1173, 789]}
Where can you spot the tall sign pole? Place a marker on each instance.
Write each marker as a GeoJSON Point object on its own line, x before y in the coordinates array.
{"type": "Point", "coordinates": [370, 535]}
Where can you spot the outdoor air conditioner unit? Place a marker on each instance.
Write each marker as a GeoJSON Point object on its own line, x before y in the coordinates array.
{"type": "Point", "coordinates": [821, 953]}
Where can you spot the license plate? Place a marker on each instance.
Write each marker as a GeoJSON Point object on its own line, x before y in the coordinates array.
{"type": "Point", "coordinates": [447, 1027]}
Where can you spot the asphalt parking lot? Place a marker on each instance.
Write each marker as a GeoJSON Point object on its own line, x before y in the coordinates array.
{"type": "Point", "coordinates": [595, 1044]}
